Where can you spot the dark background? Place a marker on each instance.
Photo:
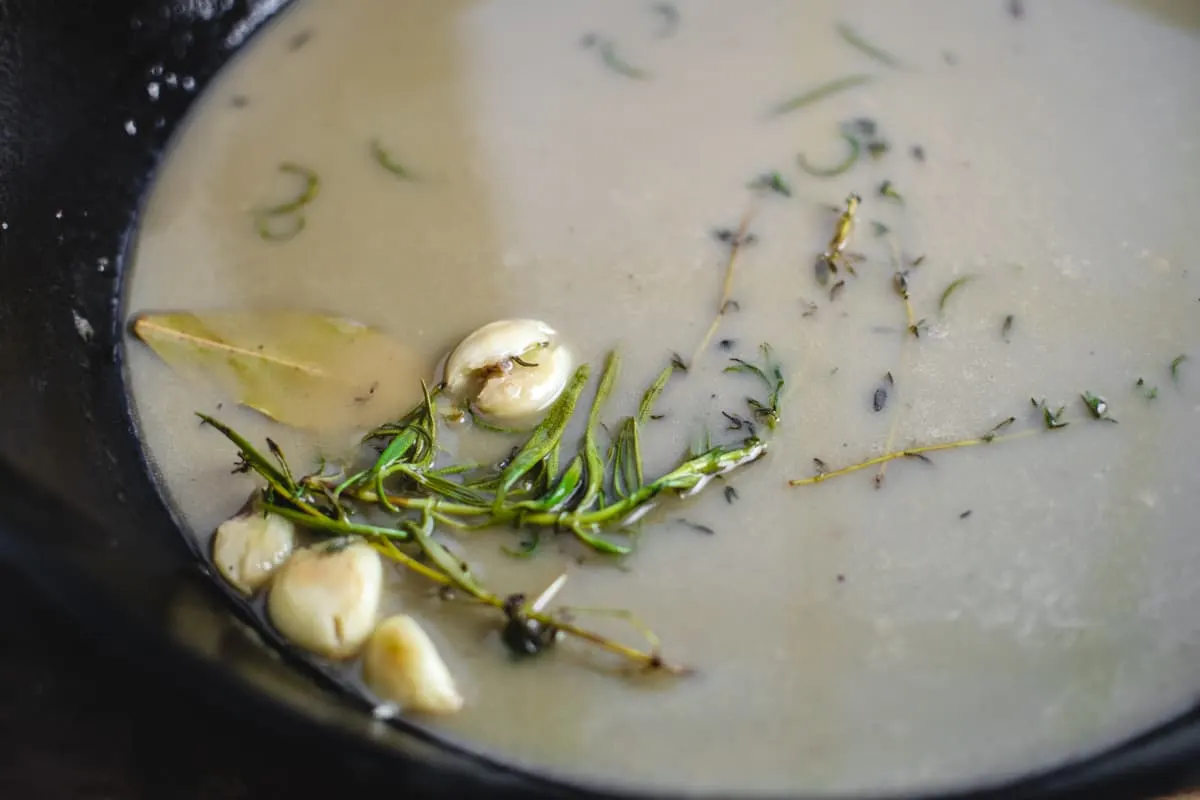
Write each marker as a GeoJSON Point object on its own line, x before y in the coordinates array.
{"type": "Point", "coordinates": [76, 723]}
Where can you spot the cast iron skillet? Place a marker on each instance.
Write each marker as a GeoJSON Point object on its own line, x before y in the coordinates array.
{"type": "Point", "coordinates": [80, 138]}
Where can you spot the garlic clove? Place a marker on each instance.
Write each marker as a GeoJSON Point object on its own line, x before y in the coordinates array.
{"type": "Point", "coordinates": [527, 390]}
{"type": "Point", "coordinates": [402, 664]}
{"type": "Point", "coordinates": [325, 598]}
{"type": "Point", "coordinates": [486, 368]}
{"type": "Point", "coordinates": [248, 549]}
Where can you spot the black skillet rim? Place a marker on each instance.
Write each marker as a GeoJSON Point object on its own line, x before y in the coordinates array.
{"type": "Point", "coordinates": [199, 47]}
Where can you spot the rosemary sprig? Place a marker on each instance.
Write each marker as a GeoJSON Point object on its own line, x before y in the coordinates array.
{"type": "Point", "coordinates": [593, 498]}
{"type": "Point", "coordinates": [1051, 420]}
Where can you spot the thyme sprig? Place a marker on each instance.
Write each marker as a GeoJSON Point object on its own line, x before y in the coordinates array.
{"type": "Point", "coordinates": [1050, 420]}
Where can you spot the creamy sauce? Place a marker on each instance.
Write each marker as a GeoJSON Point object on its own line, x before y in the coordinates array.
{"type": "Point", "coordinates": [847, 639]}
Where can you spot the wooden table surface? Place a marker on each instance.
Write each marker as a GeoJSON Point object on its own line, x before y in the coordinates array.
{"type": "Point", "coordinates": [78, 727]}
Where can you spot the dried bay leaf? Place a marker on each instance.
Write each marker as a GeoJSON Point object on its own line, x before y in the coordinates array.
{"type": "Point", "coordinates": [308, 370]}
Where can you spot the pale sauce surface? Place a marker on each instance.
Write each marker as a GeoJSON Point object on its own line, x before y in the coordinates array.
{"type": "Point", "coordinates": [847, 639]}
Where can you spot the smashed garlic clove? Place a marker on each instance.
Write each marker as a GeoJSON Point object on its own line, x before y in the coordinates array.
{"type": "Point", "coordinates": [401, 664]}
{"type": "Point", "coordinates": [248, 549]}
{"type": "Point", "coordinates": [325, 598]}
{"type": "Point", "coordinates": [527, 390]}
{"type": "Point", "coordinates": [509, 368]}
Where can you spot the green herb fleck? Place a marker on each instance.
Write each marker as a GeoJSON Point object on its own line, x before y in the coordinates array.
{"type": "Point", "coordinates": [1096, 405]}
{"type": "Point", "coordinates": [877, 148]}
{"type": "Point", "coordinates": [996, 429]}
{"type": "Point", "coordinates": [852, 38]}
{"type": "Point", "coordinates": [271, 228]}
{"type": "Point", "coordinates": [837, 169]}
{"type": "Point", "coordinates": [384, 159]}
{"type": "Point", "coordinates": [886, 189]}
{"type": "Point", "coordinates": [611, 59]}
{"type": "Point", "coordinates": [879, 228]}
{"type": "Point", "coordinates": [773, 182]}
{"type": "Point", "coordinates": [771, 375]}
{"type": "Point", "coordinates": [819, 93]}
{"type": "Point", "coordinates": [953, 287]}
{"type": "Point", "coordinates": [1176, 363]}
{"type": "Point", "coordinates": [1052, 419]}
{"type": "Point", "coordinates": [264, 217]}
{"type": "Point", "coordinates": [1148, 391]}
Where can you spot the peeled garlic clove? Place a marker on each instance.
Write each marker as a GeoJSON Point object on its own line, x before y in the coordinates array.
{"type": "Point", "coordinates": [248, 548]}
{"type": "Point", "coordinates": [486, 368]}
{"type": "Point", "coordinates": [401, 664]}
{"type": "Point", "coordinates": [325, 598]}
{"type": "Point", "coordinates": [527, 390]}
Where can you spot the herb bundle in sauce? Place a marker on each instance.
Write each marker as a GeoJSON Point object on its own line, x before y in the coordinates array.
{"type": "Point", "coordinates": [473, 162]}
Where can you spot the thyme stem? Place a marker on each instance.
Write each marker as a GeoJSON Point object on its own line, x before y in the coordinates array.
{"type": "Point", "coordinates": [908, 452]}
{"type": "Point", "coordinates": [735, 247]}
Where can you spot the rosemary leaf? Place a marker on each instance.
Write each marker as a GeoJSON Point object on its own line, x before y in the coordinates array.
{"type": "Point", "coordinates": [591, 449]}
{"type": "Point", "coordinates": [819, 93]}
{"type": "Point", "coordinates": [839, 168]}
{"type": "Point", "coordinates": [953, 287]}
{"type": "Point", "coordinates": [384, 159]}
{"type": "Point", "coordinates": [1176, 363]}
{"type": "Point", "coordinates": [545, 435]}
{"type": "Point", "coordinates": [444, 560]}
{"type": "Point", "coordinates": [852, 38]}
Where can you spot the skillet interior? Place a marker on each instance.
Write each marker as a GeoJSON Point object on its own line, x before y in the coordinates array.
{"type": "Point", "coordinates": [81, 510]}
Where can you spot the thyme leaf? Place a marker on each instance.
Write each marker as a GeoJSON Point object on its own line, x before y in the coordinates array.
{"type": "Point", "coordinates": [887, 190]}
{"type": "Point", "coordinates": [1006, 328]}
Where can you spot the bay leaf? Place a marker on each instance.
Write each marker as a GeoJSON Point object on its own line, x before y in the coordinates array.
{"type": "Point", "coordinates": [311, 371]}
